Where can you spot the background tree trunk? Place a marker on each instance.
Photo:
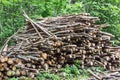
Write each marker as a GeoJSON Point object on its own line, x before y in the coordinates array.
{"type": "Point", "coordinates": [73, 1]}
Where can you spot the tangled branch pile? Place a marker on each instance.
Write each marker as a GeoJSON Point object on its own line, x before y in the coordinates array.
{"type": "Point", "coordinates": [55, 42]}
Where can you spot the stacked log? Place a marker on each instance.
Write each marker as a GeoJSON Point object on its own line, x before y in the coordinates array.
{"type": "Point", "coordinates": [56, 42]}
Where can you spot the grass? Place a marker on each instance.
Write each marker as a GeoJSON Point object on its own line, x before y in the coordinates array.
{"type": "Point", "coordinates": [44, 76]}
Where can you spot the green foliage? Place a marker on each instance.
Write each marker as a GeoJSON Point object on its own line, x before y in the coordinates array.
{"type": "Point", "coordinates": [114, 29]}
{"type": "Point", "coordinates": [116, 42]}
{"type": "Point", "coordinates": [74, 73]}
{"type": "Point", "coordinates": [107, 11]}
{"type": "Point", "coordinates": [13, 79]}
{"type": "Point", "coordinates": [71, 70]}
{"type": "Point", "coordinates": [84, 72]}
{"type": "Point", "coordinates": [45, 76]}
{"type": "Point", "coordinates": [73, 8]}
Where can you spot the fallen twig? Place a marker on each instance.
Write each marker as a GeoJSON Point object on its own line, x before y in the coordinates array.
{"type": "Point", "coordinates": [93, 74]}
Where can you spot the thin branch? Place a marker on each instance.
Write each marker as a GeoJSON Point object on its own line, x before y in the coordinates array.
{"type": "Point", "coordinates": [30, 20]}
{"type": "Point", "coordinates": [93, 74]}
{"type": "Point", "coordinates": [36, 30]}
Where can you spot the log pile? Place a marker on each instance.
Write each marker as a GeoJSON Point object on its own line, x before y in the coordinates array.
{"type": "Point", "coordinates": [56, 42]}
